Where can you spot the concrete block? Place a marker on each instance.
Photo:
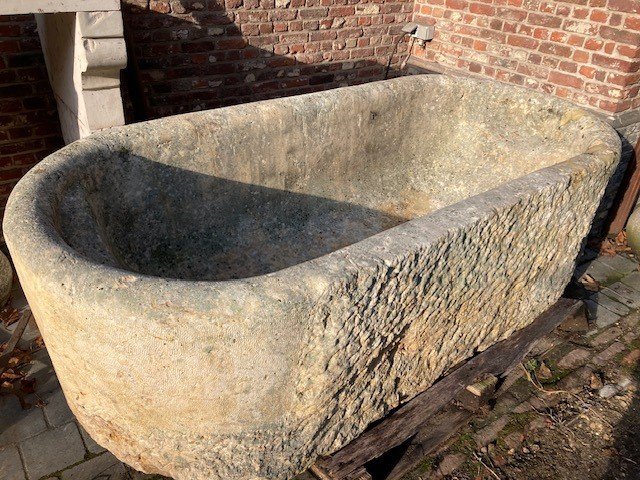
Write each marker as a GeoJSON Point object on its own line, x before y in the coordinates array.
{"type": "Point", "coordinates": [52, 451]}
{"type": "Point", "coordinates": [609, 303]}
{"type": "Point", "coordinates": [56, 411]}
{"type": "Point", "coordinates": [632, 280]}
{"type": "Point", "coordinates": [17, 424]}
{"type": "Point", "coordinates": [618, 263]}
{"type": "Point", "coordinates": [102, 467]}
{"type": "Point", "coordinates": [101, 24]}
{"type": "Point", "coordinates": [623, 294]}
{"type": "Point", "coordinates": [10, 464]}
{"type": "Point", "coordinates": [600, 315]}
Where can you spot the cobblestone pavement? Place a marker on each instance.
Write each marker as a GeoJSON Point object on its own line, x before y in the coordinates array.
{"type": "Point", "coordinates": [45, 441]}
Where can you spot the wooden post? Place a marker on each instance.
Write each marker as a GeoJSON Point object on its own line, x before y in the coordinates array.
{"type": "Point", "coordinates": [628, 195]}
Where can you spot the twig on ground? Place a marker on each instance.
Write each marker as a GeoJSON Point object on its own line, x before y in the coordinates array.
{"type": "Point", "coordinates": [15, 337]}
{"type": "Point", "coordinates": [479, 459]}
{"type": "Point", "coordinates": [584, 404]}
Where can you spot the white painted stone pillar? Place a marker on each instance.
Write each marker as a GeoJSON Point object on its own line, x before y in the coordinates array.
{"type": "Point", "coordinates": [84, 49]}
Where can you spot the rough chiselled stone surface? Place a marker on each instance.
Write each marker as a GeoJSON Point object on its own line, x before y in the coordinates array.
{"type": "Point", "coordinates": [223, 295]}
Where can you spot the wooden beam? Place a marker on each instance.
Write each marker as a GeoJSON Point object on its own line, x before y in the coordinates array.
{"type": "Point", "coordinates": [434, 433]}
{"type": "Point", "coordinates": [628, 194]}
{"type": "Point", "coordinates": [410, 419]}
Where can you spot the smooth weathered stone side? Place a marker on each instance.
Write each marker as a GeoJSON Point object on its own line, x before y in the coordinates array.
{"type": "Point", "coordinates": [6, 279]}
{"type": "Point", "coordinates": [633, 230]}
{"type": "Point", "coordinates": [189, 353]}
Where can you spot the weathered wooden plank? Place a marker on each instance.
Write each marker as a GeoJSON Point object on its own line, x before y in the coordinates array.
{"type": "Point", "coordinates": [627, 194]}
{"type": "Point", "coordinates": [475, 396]}
{"type": "Point", "coordinates": [408, 420]}
{"type": "Point", "coordinates": [433, 433]}
{"type": "Point", "coordinates": [360, 474]}
{"type": "Point", "coordinates": [319, 473]}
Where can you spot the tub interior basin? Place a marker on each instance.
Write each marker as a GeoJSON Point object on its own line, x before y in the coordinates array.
{"type": "Point", "coordinates": [253, 189]}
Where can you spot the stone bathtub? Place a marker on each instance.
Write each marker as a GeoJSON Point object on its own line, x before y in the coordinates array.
{"type": "Point", "coordinates": [229, 294]}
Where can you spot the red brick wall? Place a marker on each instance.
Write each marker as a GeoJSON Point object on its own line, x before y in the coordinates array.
{"type": "Point", "coordinates": [29, 126]}
{"type": "Point", "coordinates": [189, 55]}
{"type": "Point", "coordinates": [585, 50]}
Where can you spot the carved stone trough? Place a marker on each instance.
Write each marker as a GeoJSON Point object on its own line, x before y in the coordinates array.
{"type": "Point", "coordinates": [229, 294]}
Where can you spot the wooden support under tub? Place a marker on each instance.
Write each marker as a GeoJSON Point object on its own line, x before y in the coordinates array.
{"type": "Point", "coordinates": [427, 420]}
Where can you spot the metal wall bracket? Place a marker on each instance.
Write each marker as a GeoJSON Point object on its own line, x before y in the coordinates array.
{"type": "Point", "coordinates": [421, 33]}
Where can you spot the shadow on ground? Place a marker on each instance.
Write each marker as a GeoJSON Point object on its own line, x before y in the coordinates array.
{"type": "Point", "coordinates": [625, 454]}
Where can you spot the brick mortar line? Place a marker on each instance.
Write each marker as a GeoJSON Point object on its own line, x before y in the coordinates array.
{"type": "Point", "coordinates": [551, 69]}
{"type": "Point", "coordinates": [551, 55]}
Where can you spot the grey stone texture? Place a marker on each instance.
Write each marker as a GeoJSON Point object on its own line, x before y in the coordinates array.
{"type": "Point", "coordinates": [602, 316]}
{"type": "Point", "coordinates": [600, 272]}
{"type": "Point", "coordinates": [10, 464]}
{"type": "Point", "coordinates": [17, 424]}
{"type": "Point", "coordinates": [618, 263]}
{"type": "Point", "coordinates": [90, 443]}
{"type": "Point", "coordinates": [627, 124]}
{"type": "Point", "coordinates": [632, 280]}
{"type": "Point", "coordinates": [52, 450]}
{"type": "Point", "coordinates": [623, 294]}
{"type": "Point", "coordinates": [42, 370]}
{"type": "Point", "coordinates": [609, 303]}
{"type": "Point", "coordinates": [102, 467]}
{"type": "Point", "coordinates": [6, 279]}
{"type": "Point", "coordinates": [607, 336]}
{"type": "Point", "coordinates": [229, 294]}
{"type": "Point", "coordinates": [56, 411]}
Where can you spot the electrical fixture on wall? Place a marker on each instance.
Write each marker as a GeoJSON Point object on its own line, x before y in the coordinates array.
{"type": "Point", "coordinates": [420, 33]}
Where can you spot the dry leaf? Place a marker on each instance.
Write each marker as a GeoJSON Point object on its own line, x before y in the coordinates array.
{"type": "Point", "coordinates": [9, 316]}
{"type": "Point", "coordinates": [613, 246]}
{"type": "Point", "coordinates": [608, 248]}
{"type": "Point", "coordinates": [8, 375]}
{"type": "Point", "coordinates": [589, 283]}
{"type": "Point", "coordinates": [13, 378]}
{"type": "Point", "coordinates": [28, 385]}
